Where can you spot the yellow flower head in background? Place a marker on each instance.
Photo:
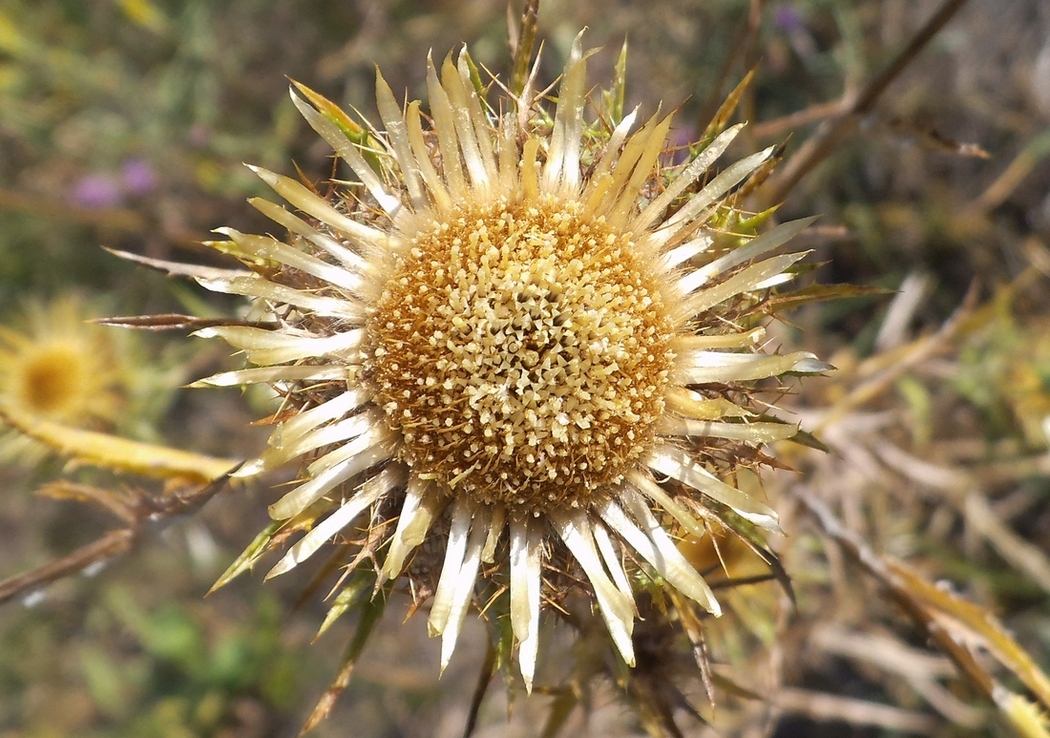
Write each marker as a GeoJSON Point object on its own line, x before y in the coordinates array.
{"type": "Point", "coordinates": [514, 352]}
{"type": "Point", "coordinates": [56, 366]}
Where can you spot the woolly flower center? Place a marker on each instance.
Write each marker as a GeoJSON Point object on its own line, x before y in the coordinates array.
{"type": "Point", "coordinates": [522, 353]}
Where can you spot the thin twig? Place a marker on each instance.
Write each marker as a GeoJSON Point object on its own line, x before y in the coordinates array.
{"type": "Point", "coordinates": [780, 127]}
{"type": "Point", "coordinates": [836, 129]}
{"type": "Point", "coordinates": [853, 546]}
{"type": "Point", "coordinates": [902, 360]}
{"type": "Point", "coordinates": [488, 669]}
{"type": "Point", "coordinates": [946, 619]}
{"type": "Point", "coordinates": [112, 544]}
{"type": "Point", "coordinates": [829, 707]}
{"type": "Point", "coordinates": [741, 46]}
{"type": "Point", "coordinates": [149, 515]}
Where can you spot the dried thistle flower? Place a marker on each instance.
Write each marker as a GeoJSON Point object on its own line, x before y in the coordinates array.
{"type": "Point", "coordinates": [516, 351]}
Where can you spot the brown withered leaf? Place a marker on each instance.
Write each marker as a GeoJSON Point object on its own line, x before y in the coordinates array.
{"type": "Point", "coordinates": [727, 108]}
{"type": "Point", "coordinates": [931, 138]}
{"type": "Point", "coordinates": [145, 516]}
{"type": "Point", "coordinates": [822, 293]}
{"type": "Point", "coordinates": [120, 504]}
{"type": "Point", "coordinates": [763, 172]}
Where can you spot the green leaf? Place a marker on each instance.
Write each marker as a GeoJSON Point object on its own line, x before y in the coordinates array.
{"type": "Point", "coordinates": [334, 113]}
{"type": "Point", "coordinates": [475, 76]}
{"type": "Point", "coordinates": [247, 559]}
{"type": "Point", "coordinates": [349, 596]}
{"type": "Point", "coordinates": [807, 439]}
{"type": "Point", "coordinates": [612, 99]}
{"type": "Point", "coordinates": [107, 685]}
{"type": "Point", "coordinates": [752, 224]}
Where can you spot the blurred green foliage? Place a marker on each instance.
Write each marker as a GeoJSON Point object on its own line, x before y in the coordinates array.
{"type": "Point", "coordinates": [161, 668]}
{"type": "Point", "coordinates": [125, 122]}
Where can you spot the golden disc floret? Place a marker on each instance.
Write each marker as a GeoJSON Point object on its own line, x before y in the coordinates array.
{"type": "Point", "coordinates": [521, 351]}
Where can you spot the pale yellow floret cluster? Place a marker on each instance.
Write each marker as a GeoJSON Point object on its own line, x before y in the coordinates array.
{"type": "Point", "coordinates": [515, 335]}
{"type": "Point", "coordinates": [522, 354]}
{"type": "Point", "coordinates": [58, 366]}
{"type": "Point", "coordinates": [50, 380]}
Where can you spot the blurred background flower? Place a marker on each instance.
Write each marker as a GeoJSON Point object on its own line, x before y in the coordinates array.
{"type": "Point", "coordinates": [58, 366]}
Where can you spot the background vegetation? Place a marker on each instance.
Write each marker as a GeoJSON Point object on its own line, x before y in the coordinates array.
{"type": "Point", "coordinates": [124, 123]}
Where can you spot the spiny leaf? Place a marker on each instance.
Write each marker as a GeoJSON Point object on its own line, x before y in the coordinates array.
{"type": "Point", "coordinates": [248, 557]}
{"type": "Point", "coordinates": [807, 439]}
{"type": "Point", "coordinates": [171, 322]}
{"type": "Point", "coordinates": [752, 224]}
{"type": "Point", "coordinates": [524, 44]}
{"type": "Point", "coordinates": [822, 293]}
{"type": "Point", "coordinates": [475, 75]}
{"type": "Point", "coordinates": [349, 596]}
{"type": "Point", "coordinates": [612, 99]}
{"type": "Point", "coordinates": [726, 109]}
{"type": "Point", "coordinates": [174, 268]}
{"type": "Point", "coordinates": [371, 613]}
{"type": "Point", "coordinates": [334, 113]}
{"type": "Point", "coordinates": [762, 173]}
{"type": "Point", "coordinates": [780, 574]}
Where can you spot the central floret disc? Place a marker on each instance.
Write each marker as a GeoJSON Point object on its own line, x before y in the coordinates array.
{"type": "Point", "coordinates": [522, 353]}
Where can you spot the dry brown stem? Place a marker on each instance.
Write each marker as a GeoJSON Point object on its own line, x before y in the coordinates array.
{"type": "Point", "coordinates": [144, 515]}
{"type": "Point", "coordinates": [838, 128]}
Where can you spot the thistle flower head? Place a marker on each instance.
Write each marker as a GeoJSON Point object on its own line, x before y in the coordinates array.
{"type": "Point", "coordinates": [57, 367]}
{"type": "Point", "coordinates": [522, 355]}
{"type": "Point", "coordinates": [518, 336]}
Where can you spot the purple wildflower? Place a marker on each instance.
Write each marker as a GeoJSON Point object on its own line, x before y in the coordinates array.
{"type": "Point", "coordinates": [139, 177]}
{"type": "Point", "coordinates": [97, 191]}
{"type": "Point", "coordinates": [788, 19]}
